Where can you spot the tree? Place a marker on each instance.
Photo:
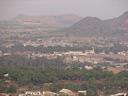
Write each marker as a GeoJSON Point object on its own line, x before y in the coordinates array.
{"type": "Point", "coordinates": [11, 89]}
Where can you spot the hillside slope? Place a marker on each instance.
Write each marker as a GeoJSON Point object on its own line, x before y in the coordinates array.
{"type": "Point", "coordinates": [95, 27]}
{"type": "Point", "coordinates": [48, 21]}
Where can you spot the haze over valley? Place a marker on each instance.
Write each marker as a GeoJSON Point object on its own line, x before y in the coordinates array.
{"type": "Point", "coordinates": [63, 48]}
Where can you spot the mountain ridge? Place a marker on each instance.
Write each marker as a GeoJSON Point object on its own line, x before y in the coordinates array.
{"type": "Point", "coordinates": [48, 21]}
{"type": "Point", "coordinates": [93, 26]}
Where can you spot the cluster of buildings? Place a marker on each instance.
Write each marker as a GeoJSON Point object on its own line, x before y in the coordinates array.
{"type": "Point", "coordinates": [114, 62]}
{"type": "Point", "coordinates": [63, 92]}
{"type": "Point", "coordinates": [48, 42]}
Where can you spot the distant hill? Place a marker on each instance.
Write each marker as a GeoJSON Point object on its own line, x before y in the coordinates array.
{"type": "Point", "coordinates": [48, 21]}
{"type": "Point", "coordinates": [92, 26]}
{"type": "Point", "coordinates": [120, 22]}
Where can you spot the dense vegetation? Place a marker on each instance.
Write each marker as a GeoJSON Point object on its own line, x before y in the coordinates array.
{"type": "Point", "coordinates": [23, 71]}
{"type": "Point", "coordinates": [75, 79]}
{"type": "Point", "coordinates": [76, 47]}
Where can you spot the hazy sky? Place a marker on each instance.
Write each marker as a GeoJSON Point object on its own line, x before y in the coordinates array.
{"type": "Point", "coordinates": [98, 8]}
